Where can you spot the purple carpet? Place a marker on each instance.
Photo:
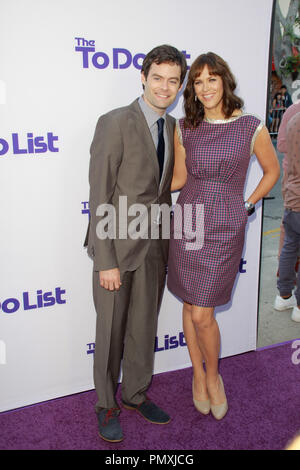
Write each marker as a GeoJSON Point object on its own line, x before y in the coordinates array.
{"type": "Point", "coordinates": [263, 391]}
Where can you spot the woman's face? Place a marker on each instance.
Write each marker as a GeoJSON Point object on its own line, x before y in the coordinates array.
{"type": "Point", "coordinates": [209, 90]}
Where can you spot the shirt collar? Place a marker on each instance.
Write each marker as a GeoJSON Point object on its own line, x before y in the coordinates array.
{"type": "Point", "coordinates": [150, 115]}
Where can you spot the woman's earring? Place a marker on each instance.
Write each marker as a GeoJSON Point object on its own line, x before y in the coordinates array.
{"type": "Point", "coordinates": [196, 98]}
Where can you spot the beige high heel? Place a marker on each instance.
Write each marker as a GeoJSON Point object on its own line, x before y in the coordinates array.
{"type": "Point", "coordinates": [219, 411]}
{"type": "Point", "coordinates": [203, 406]}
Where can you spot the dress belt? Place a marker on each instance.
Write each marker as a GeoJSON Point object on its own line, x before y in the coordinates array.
{"type": "Point", "coordinates": [213, 186]}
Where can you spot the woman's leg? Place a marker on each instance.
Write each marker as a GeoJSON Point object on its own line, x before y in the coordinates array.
{"type": "Point", "coordinates": [208, 340]}
{"type": "Point", "coordinates": [196, 355]}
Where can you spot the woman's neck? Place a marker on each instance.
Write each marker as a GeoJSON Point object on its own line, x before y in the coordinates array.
{"type": "Point", "coordinates": [213, 114]}
{"type": "Point", "coordinates": [219, 115]}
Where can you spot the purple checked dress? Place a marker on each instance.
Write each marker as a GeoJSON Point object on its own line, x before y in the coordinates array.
{"type": "Point", "coordinates": [202, 270]}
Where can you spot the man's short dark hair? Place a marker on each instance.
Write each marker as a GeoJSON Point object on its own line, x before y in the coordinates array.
{"type": "Point", "coordinates": [165, 54]}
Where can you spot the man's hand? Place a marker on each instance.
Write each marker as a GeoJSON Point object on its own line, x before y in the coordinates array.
{"type": "Point", "coordinates": [110, 279]}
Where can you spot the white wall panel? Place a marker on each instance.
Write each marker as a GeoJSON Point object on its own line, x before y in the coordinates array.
{"type": "Point", "coordinates": [46, 94]}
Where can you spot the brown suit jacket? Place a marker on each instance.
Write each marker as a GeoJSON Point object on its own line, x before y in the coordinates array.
{"type": "Point", "coordinates": [124, 163]}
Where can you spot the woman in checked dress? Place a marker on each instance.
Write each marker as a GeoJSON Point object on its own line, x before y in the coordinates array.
{"type": "Point", "coordinates": [213, 146]}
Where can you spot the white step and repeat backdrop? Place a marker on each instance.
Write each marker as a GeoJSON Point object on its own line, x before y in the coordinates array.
{"type": "Point", "coordinates": [62, 64]}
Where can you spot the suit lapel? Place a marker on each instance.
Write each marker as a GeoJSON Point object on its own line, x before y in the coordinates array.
{"type": "Point", "coordinates": [145, 132]}
{"type": "Point", "coordinates": [151, 153]}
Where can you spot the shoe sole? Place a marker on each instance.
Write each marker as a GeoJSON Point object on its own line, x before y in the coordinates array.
{"type": "Point", "coordinates": [147, 419]}
{"type": "Point", "coordinates": [110, 440]}
{"type": "Point", "coordinates": [281, 309]}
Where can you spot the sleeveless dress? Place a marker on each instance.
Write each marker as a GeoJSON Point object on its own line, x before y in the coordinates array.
{"type": "Point", "coordinates": [209, 220]}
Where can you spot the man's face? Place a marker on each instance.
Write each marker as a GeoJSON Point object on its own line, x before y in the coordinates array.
{"type": "Point", "coordinates": [161, 86]}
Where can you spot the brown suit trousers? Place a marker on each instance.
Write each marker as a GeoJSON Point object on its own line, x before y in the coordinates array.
{"type": "Point", "coordinates": [128, 318]}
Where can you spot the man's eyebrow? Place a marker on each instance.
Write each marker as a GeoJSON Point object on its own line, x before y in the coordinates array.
{"type": "Point", "coordinates": [160, 76]}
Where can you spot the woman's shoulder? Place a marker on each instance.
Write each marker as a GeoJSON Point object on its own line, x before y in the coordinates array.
{"type": "Point", "coordinates": [183, 131]}
{"type": "Point", "coordinates": [181, 123]}
{"type": "Point", "coordinates": [251, 118]}
{"type": "Point", "coordinates": [254, 124]}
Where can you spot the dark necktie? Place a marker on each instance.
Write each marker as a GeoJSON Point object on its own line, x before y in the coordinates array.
{"type": "Point", "coordinates": [161, 146]}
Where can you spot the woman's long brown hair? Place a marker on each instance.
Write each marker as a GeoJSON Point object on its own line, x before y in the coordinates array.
{"type": "Point", "coordinates": [194, 110]}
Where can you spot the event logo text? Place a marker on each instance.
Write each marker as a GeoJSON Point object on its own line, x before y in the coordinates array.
{"type": "Point", "coordinates": [168, 342]}
{"type": "Point", "coordinates": [31, 301]}
{"type": "Point", "coordinates": [120, 58]}
{"type": "Point", "coordinates": [29, 145]}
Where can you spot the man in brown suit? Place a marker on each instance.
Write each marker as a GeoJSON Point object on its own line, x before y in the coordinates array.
{"type": "Point", "coordinates": [130, 172]}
